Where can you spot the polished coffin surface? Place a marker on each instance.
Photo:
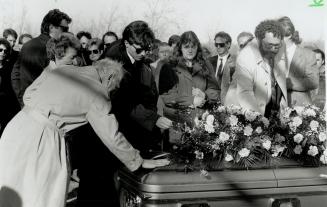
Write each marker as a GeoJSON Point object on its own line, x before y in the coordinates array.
{"type": "Point", "coordinates": [258, 187]}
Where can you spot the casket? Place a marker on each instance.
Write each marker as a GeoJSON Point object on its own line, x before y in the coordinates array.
{"type": "Point", "coordinates": [268, 187]}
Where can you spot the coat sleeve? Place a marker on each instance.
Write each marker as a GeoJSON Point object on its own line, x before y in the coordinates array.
{"type": "Point", "coordinates": [307, 78]}
{"type": "Point", "coordinates": [244, 90]}
{"type": "Point", "coordinates": [15, 81]}
{"type": "Point", "coordinates": [105, 126]}
{"type": "Point", "coordinates": [168, 88]}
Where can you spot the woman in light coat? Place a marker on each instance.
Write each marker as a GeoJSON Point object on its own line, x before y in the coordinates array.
{"type": "Point", "coordinates": [33, 158]}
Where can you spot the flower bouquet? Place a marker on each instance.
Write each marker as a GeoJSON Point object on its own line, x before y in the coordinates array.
{"type": "Point", "coordinates": [306, 138]}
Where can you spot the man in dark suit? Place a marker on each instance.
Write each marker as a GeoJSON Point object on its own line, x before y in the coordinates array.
{"type": "Point", "coordinates": [33, 56]}
{"type": "Point", "coordinates": [223, 63]}
{"type": "Point", "coordinates": [134, 104]}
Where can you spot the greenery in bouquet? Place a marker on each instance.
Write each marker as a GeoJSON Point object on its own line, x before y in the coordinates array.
{"type": "Point", "coordinates": [306, 138]}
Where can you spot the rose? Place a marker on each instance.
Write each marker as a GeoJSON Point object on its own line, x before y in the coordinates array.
{"type": "Point", "coordinates": [204, 173]}
{"type": "Point", "coordinates": [323, 157]}
{"type": "Point", "coordinates": [223, 137]}
{"type": "Point", "coordinates": [265, 121]}
{"type": "Point", "coordinates": [322, 137]}
{"type": "Point", "coordinates": [258, 130]}
{"type": "Point", "coordinates": [199, 155]}
{"type": "Point", "coordinates": [251, 115]}
{"type": "Point", "coordinates": [234, 109]}
{"type": "Point", "coordinates": [228, 157]}
{"type": "Point", "coordinates": [298, 149]}
{"type": "Point", "coordinates": [244, 152]}
{"type": "Point", "coordinates": [209, 128]}
{"type": "Point", "coordinates": [313, 151]}
{"type": "Point", "coordinates": [309, 112]}
{"type": "Point", "coordinates": [266, 144]}
{"type": "Point", "coordinates": [233, 120]}
{"type": "Point", "coordinates": [298, 138]}
{"type": "Point", "coordinates": [297, 121]}
{"type": "Point", "coordinates": [248, 130]}
{"type": "Point", "coordinates": [210, 119]}
{"type": "Point", "coordinates": [287, 112]}
{"type": "Point", "coordinates": [314, 125]}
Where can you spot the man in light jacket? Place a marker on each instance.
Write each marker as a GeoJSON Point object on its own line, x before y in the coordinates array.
{"type": "Point", "coordinates": [259, 83]}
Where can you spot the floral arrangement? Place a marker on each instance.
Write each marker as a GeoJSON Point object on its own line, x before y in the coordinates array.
{"type": "Point", "coordinates": [231, 136]}
{"type": "Point", "coordinates": [306, 138]}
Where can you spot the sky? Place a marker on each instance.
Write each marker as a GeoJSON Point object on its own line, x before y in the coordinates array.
{"type": "Point", "coordinates": [204, 17]}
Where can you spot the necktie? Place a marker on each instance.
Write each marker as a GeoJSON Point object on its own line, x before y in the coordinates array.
{"type": "Point", "coordinates": [220, 67]}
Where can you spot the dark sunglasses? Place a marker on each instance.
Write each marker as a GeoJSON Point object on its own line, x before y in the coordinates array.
{"type": "Point", "coordinates": [138, 50]}
{"type": "Point", "coordinates": [64, 28]}
{"type": "Point", "coordinates": [3, 50]}
{"type": "Point", "coordinates": [94, 52]}
{"type": "Point", "coordinates": [220, 44]}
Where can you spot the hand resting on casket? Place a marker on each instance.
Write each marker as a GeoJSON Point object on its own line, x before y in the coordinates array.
{"type": "Point", "coordinates": [149, 164]}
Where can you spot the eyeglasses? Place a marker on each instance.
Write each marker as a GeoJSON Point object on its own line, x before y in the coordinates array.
{"type": "Point", "coordinates": [94, 52]}
{"type": "Point", "coordinates": [271, 46]}
{"type": "Point", "coordinates": [3, 50]}
{"type": "Point", "coordinates": [138, 50]}
{"type": "Point", "coordinates": [64, 28]}
{"type": "Point", "coordinates": [220, 44]}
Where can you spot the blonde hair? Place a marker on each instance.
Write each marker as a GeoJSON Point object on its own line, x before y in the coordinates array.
{"type": "Point", "coordinates": [109, 70]}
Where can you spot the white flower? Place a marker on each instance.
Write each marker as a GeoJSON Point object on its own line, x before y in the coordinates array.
{"type": "Point", "coordinates": [199, 155]}
{"type": "Point", "coordinates": [209, 128]}
{"type": "Point", "coordinates": [265, 121]}
{"type": "Point", "coordinates": [298, 149]}
{"type": "Point", "coordinates": [314, 125]}
{"type": "Point", "coordinates": [233, 109]}
{"type": "Point", "coordinates": [279, 138]}
{"type": "Point", "coordinates": [298, 138]}
{"type": "Point", "coordinates": [221, 109]}
{"type": "Point", "coordinates": [266, 144]}
{"type": "Point", "coordinates": [223, 137]}
{"type": "Point", "coordinates": [204, 115]}
{"type": "Point", "coordinates": [228, 157]}
{"type": "Point", "coordinates": [233, 120]}
{"type": "Point", "coordinates": [251, 115]}
{"type": "Point", "coordinates": [323, 158]}
{"type": "Point", "coordinates": [210, 119]}
{"type": "Point", "coordinates": [248, 130]}
{"type": "Point", "coordinates": [309, 112]}
{"type": "Point", "coordinates": [297, 121]}
{"type": "Point", "coordinates": [322, 136]}
{"type": "Point", "coordinates": [298, 109]}
{"type": "Point", "coordinates": [196, 121]}
{"type": "Point", "coordinates": [292, 127]}
{"type": "Point", "coordinates": [244, 152]}
{"type": "Point", "coordinates": [287, 112]}
{"type": "Point", "coordinates": [258, 130]}
{"type": "Point", "coordinates": [313, 151]}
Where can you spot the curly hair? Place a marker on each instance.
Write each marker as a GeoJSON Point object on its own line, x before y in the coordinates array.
{"type": "Point", "coordinates": [186, 38]}
{"type": "Point", "coordinates": [81, 34]}
{"type": "Point", "coordinates": [225, 36]}
{"type": "Point", "coordinates": [5, 43]}
{"type": "Point", "coordinates": [138, 32]}
{"type": "Point", "coordinates": [57, 48]}
{"type": "Point", "coordinates": [8, 32]}
{"type": "Point", "coordinates": [53, 17]}
{"type": "Point", "coordinates": [269, 26]}
{"type": "Point", "coordinates": [289, 29]}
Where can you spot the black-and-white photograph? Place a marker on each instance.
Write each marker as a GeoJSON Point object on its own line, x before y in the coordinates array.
{"type": "Point", "coordinates": [163, 103]}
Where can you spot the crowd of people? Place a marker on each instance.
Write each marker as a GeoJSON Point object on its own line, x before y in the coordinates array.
{"type": "Point", "coordinates": [87, 103]}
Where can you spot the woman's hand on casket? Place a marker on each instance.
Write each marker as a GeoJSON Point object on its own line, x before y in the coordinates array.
{"type": "Point", "coordinates": [149, 164]}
